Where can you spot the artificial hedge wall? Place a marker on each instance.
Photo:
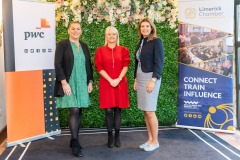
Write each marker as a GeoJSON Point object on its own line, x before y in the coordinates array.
{"type": "Point", "coordinates": [93, 35]}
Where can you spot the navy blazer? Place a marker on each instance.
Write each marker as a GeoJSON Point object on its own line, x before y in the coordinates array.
{"type": "Point", "coordinates": [151, 57]}
{"type": "Point", "coordinates": [63, 63]}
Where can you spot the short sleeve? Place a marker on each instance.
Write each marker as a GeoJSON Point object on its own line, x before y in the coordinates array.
{"type": "Point", "coordinates": [98, 60]}
{"type": "Point", "coordinates": [126, 57]}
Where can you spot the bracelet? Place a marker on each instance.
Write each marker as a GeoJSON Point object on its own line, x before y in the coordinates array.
{"type": "Point", "coordinates": [90, 81]}
{"type": "Point", "coordinates": [154, 80]}
{"type": "Point", "coordinates": [119, 78]}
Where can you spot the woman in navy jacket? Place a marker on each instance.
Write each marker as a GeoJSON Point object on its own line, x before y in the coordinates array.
{"type": "Point", "coordinates": [73, 80]}
{"type": "Point", "coordinates": [149, 59]}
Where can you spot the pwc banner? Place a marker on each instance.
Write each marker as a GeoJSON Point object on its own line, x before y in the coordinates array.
{"type": "Point", "coordinates": [205, 56]}
{"type": "Point", "coordinates": [29, 45]}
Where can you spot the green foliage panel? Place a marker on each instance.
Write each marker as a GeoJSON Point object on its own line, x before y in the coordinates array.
{"type": "Point", "coordinates": [94, 36]}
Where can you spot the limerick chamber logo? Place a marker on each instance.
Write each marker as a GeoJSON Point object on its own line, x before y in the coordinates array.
{"type": "Point", "coordinates": [44, 24]}
{"type": "Point", "coordinates": [190, 13]}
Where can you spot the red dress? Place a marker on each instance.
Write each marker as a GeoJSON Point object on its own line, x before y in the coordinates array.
{"type": "Point", "coordinates": [112, 61]}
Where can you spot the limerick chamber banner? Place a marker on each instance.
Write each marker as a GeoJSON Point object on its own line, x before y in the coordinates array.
{"type": "Point", "coordinates": [206, 61]}
{"type": "Point", "coordinates": [29, 45]}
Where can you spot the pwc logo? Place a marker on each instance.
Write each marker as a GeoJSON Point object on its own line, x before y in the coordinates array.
{"type": "Point", "coordinates": [44, 24]}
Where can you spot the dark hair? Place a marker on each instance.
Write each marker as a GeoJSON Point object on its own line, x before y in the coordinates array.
{"type": "Point", "coordinates": [73, 22]}
{"type": "Point", "coordinates": [153, 33]}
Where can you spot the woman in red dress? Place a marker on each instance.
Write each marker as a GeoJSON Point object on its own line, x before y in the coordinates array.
{"type": "Point", "coordinates": [112, 62]}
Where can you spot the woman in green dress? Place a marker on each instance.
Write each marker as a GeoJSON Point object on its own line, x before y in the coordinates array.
{"type": "Point", "coordinates": [74, 78]}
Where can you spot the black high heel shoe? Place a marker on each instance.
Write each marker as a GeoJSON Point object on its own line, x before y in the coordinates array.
{"type": "Point", "coordinates": [76, 149]}
{"type": "Point", "coordinates": [71, 141]}
{"type": "Point", "coordinates": [117, 138]}
{"type": "Point", "coordinates": [110, 140]}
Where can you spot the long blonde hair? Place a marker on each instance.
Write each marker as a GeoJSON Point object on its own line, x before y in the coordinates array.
{"type": "Point", "coordinates": [114, 30]}
{"type": "Point", "coordinates": [153, 33]}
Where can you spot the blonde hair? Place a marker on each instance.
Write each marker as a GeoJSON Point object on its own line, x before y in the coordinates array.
{"type": "Point", "coordinates": [114, 30]}
{"type": "Point", "coordinates": [153, 33]}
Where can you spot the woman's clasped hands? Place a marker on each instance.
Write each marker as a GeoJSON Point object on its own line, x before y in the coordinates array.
{"type": "Point", "coordinates": [114, 82]}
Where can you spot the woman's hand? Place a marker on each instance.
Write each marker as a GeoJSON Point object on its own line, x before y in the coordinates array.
{"type": "Point", "coordinates": [135, 85]}
{"type": "Point", "coordinates": [90, 87]}
{"type": "Point", "coordinates": [111, 82]}
{"type": "Point", "coordinates": [66, 89]}
{"type": "Point", "coordinates": [150, 86]}
{"type": "Point", "coordinates": [114, 82]}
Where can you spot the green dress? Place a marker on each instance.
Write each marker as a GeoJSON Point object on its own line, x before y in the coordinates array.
{"type": "Point", "coordinates": [78, 83]}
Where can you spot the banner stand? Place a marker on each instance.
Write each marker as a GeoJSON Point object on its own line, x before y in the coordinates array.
{"type": "Point", "coordinates": [29, 75]}
{"type": "Point", "coordinates": [19, 142]}
{"type": "Point", "coordinates": [206, 129]}
{"type": "Point", "coordinates": [206, 59]}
